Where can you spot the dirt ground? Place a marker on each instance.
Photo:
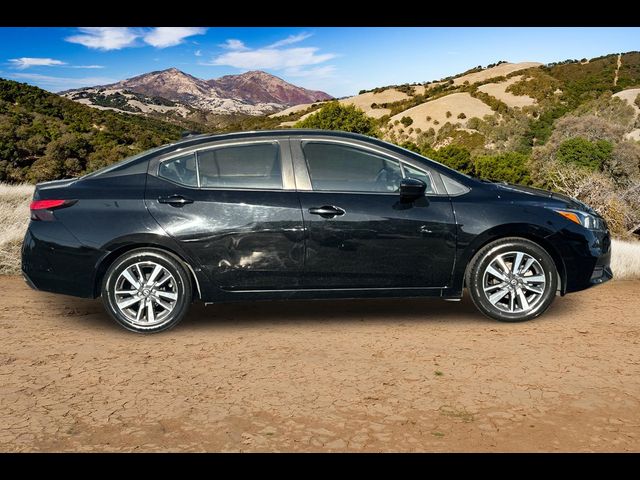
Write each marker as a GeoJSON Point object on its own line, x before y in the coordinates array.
{"type": "Point", "coordinates": [367, 375]}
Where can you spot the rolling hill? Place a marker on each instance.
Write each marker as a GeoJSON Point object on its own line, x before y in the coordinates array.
{"type": "Point", "coordinates": [44, 136]}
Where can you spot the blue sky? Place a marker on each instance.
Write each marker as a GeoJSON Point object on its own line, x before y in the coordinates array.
{"type": "Point", "coordinates": [338, 60]}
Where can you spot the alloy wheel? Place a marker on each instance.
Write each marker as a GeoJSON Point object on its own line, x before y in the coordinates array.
{"type": "Point", "coordinates": [514, 282]}
{"type": "Point", "coordinates": [146, 293]}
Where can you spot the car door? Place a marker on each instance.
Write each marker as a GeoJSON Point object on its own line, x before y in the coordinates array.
{"type": "Point", "coordinates": [359, 233]}
{"type": "Point", "coordinates": [234, 209]}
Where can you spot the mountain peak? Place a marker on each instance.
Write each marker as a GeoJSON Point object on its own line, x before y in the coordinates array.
{"type": "Point", "coordinates": [257, 86]}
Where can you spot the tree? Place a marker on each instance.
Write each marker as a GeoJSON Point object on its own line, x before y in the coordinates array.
{"type": "Point", "coordinates": [335, 116]}
{"type": "Point", "coordinates": [582, 152]}
{"type": "Point", "coordinates": [511, 167]}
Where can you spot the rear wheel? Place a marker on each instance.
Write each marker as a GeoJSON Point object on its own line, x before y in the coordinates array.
{"type": "Point", "coordinates": [512, 279]}
{"type": "Point", "coordinates": [146, 291]}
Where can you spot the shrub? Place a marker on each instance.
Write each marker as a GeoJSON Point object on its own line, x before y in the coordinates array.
{"type": "Point", "coordinates": [406, 121]}
{"type": "Point", "coordinates": [511, 167]}
{"type": "Point", "coordinates": [582, 152]}
{"type": "Point", "coordinates": [335, 116]}
{"type": "Point", "coordinates": [428, 118]}
{"type": "Point", "coordinates": [461, 115]}
{"type": "Point", "coordinates": [448, 114]}
{"type": "Point", "coordinates": [453, 156]}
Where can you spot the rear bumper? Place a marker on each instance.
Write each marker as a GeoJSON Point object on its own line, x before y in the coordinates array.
{"type": "Point", "coordinates": [54, 261]}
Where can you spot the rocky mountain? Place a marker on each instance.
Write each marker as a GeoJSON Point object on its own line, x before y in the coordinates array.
{"type": "Point", "coordinates": [252, 93]}
{"type": "Point", "coordinates": [260, 87]}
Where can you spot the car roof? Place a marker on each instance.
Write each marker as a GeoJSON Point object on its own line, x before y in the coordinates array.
{"type": "Point", "coordinates": [206, 137]}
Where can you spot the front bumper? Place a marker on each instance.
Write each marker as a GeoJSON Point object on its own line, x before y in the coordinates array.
{"type": "Point", "coordinates": [586, 255]}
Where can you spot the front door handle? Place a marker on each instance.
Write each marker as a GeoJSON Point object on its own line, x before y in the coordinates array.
{"type": "Point", "coordinates": [327, 211]}
{"type": "Point", "coordinates": [175, 200]}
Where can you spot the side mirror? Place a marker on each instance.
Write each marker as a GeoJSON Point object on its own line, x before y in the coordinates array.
{"type": "Point", "coordinates": [411, 189]}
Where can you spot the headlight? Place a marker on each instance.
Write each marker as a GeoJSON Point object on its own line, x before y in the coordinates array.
{"type": "Point", "coordinates": [581, 218]}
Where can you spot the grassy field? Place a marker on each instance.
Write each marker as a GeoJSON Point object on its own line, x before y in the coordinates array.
{"type": "Point", "coordinates": [14, 218]}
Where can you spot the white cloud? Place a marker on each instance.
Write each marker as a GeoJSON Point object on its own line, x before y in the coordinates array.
{"type": "Point", "coordinates": [105, 38]}
{"type": "Point", "coordinates": [233, 44]}
{"type": "Point", "coordinates": [198, 53]}
{"type": "Point", "coordinates": [56, 84]}
{"type": "Point", "coordinates": [290, 39]}
{"type": "Point", "coordinates": [26, 62]}
{"type": "Point", "coordinates": [316, 72]}
{"type": "Point", "coordinates": [276, 56]}
{"type": "Point", "coordinates": [273, 58]}
{"type": "Point", "coordinates": [162, 37]}
{"type": "Point", "coordinates": [87, 66]}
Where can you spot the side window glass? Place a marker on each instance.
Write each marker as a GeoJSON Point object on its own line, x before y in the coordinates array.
{"type": "Point", "coordinates": [180, 170]}
{"type": "Point", "coordinates": [420, 175]}
{"type": "Point", "coordinates": [334, 167]}
{"type": "Point", "coordinates": [241, 166]}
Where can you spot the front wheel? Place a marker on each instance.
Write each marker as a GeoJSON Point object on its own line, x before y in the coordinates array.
{"type": "Point", "coordinates": [146, 291]}
{"type": "Point", "coordinates": [512, 279]}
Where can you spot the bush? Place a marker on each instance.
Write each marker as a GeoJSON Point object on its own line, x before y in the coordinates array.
{"type": "Point", "coordinates": [453, 156]}
{"type": "Point", "coordinates": [406, 121]}
{"type": "Point", "coordinates": [582, 152]}
{"type": "Point", "coordinates": [335, 116]}
{"type": "Point", "coordinates": [448, 114]}
{"type": "Point", "coordinates": [511, 167]}
{"type": "Point", "coordinates": [462, 116]}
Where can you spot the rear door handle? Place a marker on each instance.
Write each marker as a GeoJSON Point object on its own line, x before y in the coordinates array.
{"type": "Point", "coordinates": [327, 211]}
{"type": "Point", "coordinates": [175, 200]}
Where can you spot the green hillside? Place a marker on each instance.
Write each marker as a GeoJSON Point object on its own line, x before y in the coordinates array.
{"type": "Point", "coordinates": [44, 136]}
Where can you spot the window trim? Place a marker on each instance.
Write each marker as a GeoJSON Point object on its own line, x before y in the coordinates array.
{"type": "Point", "coordinates": [357, 145]}
{"type": "Point", "coordinates": [196, 149]}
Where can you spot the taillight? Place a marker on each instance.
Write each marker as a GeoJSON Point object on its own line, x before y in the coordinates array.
{"type": "Point", "coordinates": [43, 209]}
{"type": "Point", "coordinates": [50, 204]}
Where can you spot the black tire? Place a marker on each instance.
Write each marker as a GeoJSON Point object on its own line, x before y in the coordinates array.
{"type": "Point", "coordinates": [477, 278]}
{"type": "Point", "coordinates": [178, 283]}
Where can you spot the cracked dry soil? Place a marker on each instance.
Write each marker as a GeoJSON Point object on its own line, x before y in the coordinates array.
{"type": "Point", "coordinates": [366, 375]}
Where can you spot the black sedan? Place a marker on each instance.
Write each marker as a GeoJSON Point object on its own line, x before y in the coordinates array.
{"type": "Point", "coordinates": [304, 214]}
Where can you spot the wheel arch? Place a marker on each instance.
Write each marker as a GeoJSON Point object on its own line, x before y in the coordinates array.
{"type": "Point", "coordinates": [107, 260]}
{"type": "Point", "coordinates": [526, 231]}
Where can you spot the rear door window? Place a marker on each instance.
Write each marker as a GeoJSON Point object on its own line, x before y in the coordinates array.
{"type": "Point", "coordinates": [254, 166]}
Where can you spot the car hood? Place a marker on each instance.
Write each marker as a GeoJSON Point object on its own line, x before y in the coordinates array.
{"type": "Point", "coordinates": [544, 195]}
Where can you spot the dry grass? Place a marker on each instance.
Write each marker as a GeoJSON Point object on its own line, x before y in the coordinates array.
{"type": "Point", "coordinates": [497, 71]}
{"type": "Point", "coordinates": [14, 218]}
{"type": "Point", "coordinates": [437, 109]}
{"type": "Point", "coordinates": [625, 259]}
{"type": "Point", "coordinates": [499, 91]}
{"type": "Point", "coordinates": [364, 101]}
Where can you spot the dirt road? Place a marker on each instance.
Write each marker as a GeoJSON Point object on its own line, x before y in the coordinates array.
{"type": "Point", "coordinates": [372, 375]}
